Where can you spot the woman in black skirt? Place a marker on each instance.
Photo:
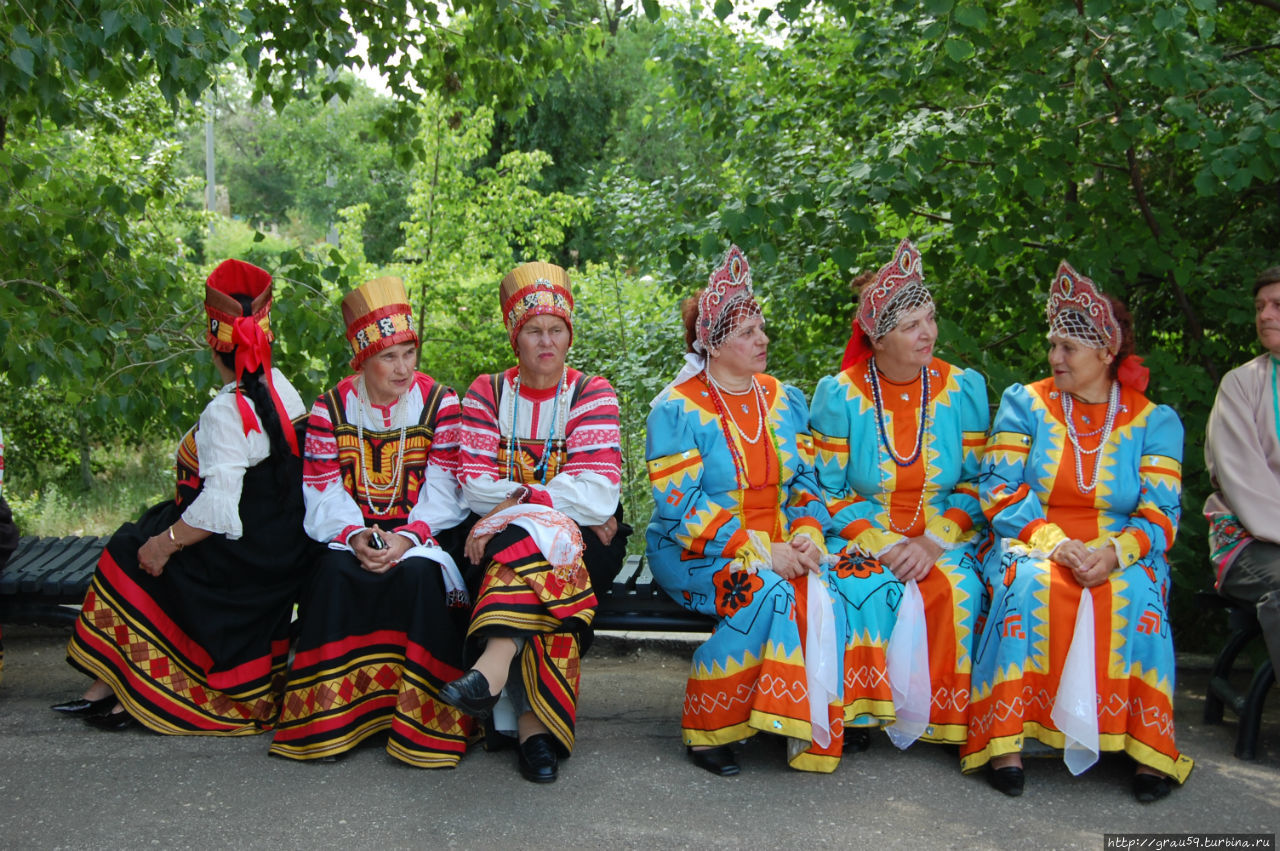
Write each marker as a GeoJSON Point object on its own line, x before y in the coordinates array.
{"type": "Point", "coordinates": [185, 625]}
{"type": "Point", "coordinates": [381, 620]}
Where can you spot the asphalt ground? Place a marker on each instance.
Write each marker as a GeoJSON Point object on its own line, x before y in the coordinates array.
{"type": "Point", "coordinates": [628, 784]}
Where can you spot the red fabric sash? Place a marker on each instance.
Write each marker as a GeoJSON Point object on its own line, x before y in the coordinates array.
{"type": "Point", "coordinates": [253, 350]}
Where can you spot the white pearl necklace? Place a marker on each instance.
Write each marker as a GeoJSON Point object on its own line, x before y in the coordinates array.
{"type": "Point", "coordinates": [1113, 407]}
{"type": "Point", "coordinates": [397, 416]}
{"type": "Point", "coordinates": [760, 406]}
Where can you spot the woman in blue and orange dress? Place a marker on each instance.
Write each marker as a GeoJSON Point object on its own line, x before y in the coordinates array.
{"type": "Point", "coordinates": [185, 626]}
{"type": "Point", "coordinates": [542, 462]}
{"type": "Point", "coordinates": [738, 533]}
{"type": "Point", "coordinates": [380, 621]}
{"type": "Point", "coordinates": [1081, 483]}
{"type": "Point", "coordinates": [898, 435]}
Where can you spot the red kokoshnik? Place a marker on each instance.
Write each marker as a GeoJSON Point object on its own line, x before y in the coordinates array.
{"type": "Point", "coordinates": [727, 302]}
{"type": "Point", "coordinates": [1077, 310]}
{"type": "Point", "coordinates": [898, 288]}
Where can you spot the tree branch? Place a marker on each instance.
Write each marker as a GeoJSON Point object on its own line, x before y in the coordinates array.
{"type": "Point", "coordinates": [1254, 49]}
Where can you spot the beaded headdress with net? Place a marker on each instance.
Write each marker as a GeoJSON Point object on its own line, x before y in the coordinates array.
{"type": "Point", "coordinates": [897, 290]}
{"type": "Point", "coordinates": [1078, 311]}
{"type": "Point", "coordinates": [727, 303]}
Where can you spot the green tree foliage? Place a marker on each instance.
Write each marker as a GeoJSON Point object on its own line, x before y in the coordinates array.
{"type": "Point", "coordinates": [469, 223]}
{"type": "Point", "coordinates": [1139, 140]}
{"type": "Point", "coordinates": [294, 170]}
{"type": "Point", "coordinates": [97, 297]}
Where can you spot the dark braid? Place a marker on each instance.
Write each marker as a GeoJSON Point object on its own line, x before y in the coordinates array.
{"type": "Point", "coordinates": [255, 387]}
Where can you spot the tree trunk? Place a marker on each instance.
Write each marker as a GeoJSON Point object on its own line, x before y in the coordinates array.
{"type": "Point", "coordinates": [86, 473]}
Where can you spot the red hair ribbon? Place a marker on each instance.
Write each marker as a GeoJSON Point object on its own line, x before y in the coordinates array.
{"type": "Point", "coordinates": [253, 351]}
{"type": "Point", "coordinates": [858, 348]}
{"type": "Point", "coordinates": [1133, 374]}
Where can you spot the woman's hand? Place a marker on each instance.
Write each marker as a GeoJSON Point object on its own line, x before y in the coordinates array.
{"type": "Point", "coordinates": [606, 530]}
{"type": "Point", "coordinates": [474, 549]}
{"type": "Point", "coordinates": [912, 558]}
{"type": "Point", "coordinates": [791, 560]}
{"type": "Point", "coordinates": [155, 553]}
{"type": "Point", "coordinates": [1071, 553]}
{"type": "Point", "coordinates": [1097, 567]}
{"type": "Point", "coordinates": [375, 560]}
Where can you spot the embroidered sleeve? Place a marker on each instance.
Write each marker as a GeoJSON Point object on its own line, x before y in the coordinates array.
{"type": "Point", "coordinates": [225, 452]}
{"type": "Point", "coordinates": [682, 511]}
{"type": "Point", "coordinates": [1237, 460]}
{"type": "Point", "coordinates": [331, 512]}
{"type": "Point", "coordinates": [588, 486]}
{"type": "Point", "coordinates": [440, 505]}
{"type": "Point", "coordinates": [483, 484]}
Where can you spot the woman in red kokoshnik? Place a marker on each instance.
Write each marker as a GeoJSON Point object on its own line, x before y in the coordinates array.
{"type": "Point", "coordinates": [541, 461]}
{"type": "Point", "coordinates": [381, 620]}
{"type": "Point", "coordinates": [185, 624]}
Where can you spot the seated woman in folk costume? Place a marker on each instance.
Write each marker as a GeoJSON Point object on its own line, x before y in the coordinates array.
{"type": "Point", "coordinates": [185, 627]}
{"type": "Point", "coordinates": [1082, 483]}
{"type": "Point", "coordinates": [898, 435]}
{"type": "Point", "coordinates": [738, 533]}
{"type": "Point", "coordinates": [381, 619]}
{"type": "Point", "coordinates": [542, 461]}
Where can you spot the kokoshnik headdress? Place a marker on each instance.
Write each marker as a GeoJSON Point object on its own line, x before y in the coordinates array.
{"type": "Point", "coordinates": [246, 331]}
{"type": "Point", "coordinates": [727, 303]}
{"type": "Point", "coordinates": [897, 290]}
{"type": "Point", "coordinates": [724, 307]}
{"type": "Point", "coordinates": [1078, 311]}
{"type": "Point", "coordinates": [535, 289]}
{"type": "Point", "coordinates": [377, 316]}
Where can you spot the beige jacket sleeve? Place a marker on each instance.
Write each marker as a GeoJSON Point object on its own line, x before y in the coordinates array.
{"type": "Point", "coordinates": [1242, 451]}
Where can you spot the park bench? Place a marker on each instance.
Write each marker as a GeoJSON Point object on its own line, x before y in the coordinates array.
{"type": "Point", "coordinates": [1242, 622]}
{"type": "Point", "coordinates": [46, 579]}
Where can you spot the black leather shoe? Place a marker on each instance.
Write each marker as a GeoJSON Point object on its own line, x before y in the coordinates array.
{"type": "Point", "coordinates": [1151, 787]}
{"type": "Point", "coordinates": [82, 708]}
{"type": "Point", "coordinates": [470, 693]}
{"type": "Point", "coordinates": [112, 722]}
{"type": "Point", "coordinates": [856, 740]}
{"type": "Point", "coordinates": [1010, 780]}
{"type": "Point", "coordinates": [718, 760]}
{"type": "Point", "coordinates": [538, 760]}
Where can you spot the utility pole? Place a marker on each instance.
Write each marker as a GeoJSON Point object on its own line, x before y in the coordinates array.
{"type": "Point", "coordinates": [211, 186]}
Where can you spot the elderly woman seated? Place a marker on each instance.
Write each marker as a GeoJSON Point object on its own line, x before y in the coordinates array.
{"type": "Point", "coordinates": [738, 533]}
{"type": "Point", "coordinates": [1082, 484]}
{"type": "Point", "coordinates": [381, 619]}
{"type": "Point", "coordinates": [541, 460]}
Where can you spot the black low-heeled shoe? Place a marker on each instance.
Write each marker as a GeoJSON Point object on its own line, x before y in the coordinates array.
{"type": "Point", "coordinates": [1010, 780]}
{"type": "Point", "coordinates": [856, 740]}
{"type": "Point", "coordinates": [81, 708]}
{"type": "Point", "coordinates": [112, 722]}
{"type": "Point", "coordinates": [718, 760]}
{"type": "Point", "coordinates": [470, 693]}
{"type": "Point", "coordinates": [1148, 788]}
{"type": "Point", "coordinates": [538, 760]}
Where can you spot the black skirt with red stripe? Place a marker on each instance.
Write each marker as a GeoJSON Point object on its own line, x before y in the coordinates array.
{"type": "Point", "coordinates": [373, 651]}
{"type": "Point", "coordinates": [202, 648]}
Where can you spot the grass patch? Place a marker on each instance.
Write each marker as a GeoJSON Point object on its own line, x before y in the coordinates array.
{"type": "Point", "coordinates": [127, 481]}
